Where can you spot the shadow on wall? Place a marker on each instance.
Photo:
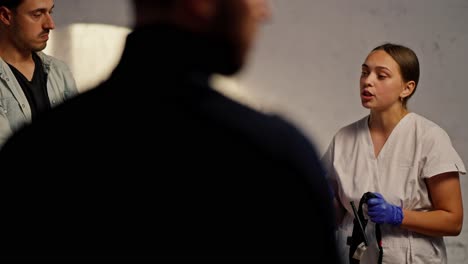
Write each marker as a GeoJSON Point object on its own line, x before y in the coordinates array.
{"type": "Point", "coordinates": [90, 50]}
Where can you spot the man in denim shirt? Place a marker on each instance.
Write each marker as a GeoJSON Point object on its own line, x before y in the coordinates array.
{"type": "Point", "coordinates": [30, 81]}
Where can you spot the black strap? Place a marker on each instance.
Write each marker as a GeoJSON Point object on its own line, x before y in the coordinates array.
{"type": "Point", "coordinates": [359, 236]}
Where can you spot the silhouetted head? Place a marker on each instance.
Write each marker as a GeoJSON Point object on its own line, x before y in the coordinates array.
{"type": "Point", "coordinates": [232, 22]}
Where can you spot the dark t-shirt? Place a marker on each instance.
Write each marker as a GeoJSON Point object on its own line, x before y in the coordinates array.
{"type": "Point", "coordinates": [36, 89]}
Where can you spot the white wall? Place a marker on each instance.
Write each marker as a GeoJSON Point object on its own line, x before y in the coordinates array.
{"type": "Point", "coordinates": [90, 36]}
{"type": "Point", "coordinates": [307, 62]}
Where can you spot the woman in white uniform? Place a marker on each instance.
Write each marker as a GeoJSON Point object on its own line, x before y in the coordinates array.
{"type": "Point", "coordinates": [405, 159]}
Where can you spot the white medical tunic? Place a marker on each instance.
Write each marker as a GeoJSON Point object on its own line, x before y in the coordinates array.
{"type": "Point", "coordinates": [417, 149]}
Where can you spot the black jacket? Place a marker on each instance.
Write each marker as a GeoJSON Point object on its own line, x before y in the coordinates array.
{"type": "Point", "coordinates": [180, 173]}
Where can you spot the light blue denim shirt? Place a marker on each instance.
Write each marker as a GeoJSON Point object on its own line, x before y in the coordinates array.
{"type": "Point", "coordinates": [14, 107]}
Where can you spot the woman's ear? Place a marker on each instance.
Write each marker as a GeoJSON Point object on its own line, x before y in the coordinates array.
{"type": "Point", "coordinates": [408, 89]}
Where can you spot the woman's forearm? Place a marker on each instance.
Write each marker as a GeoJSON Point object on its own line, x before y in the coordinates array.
{"type": "Point", "coordinates": [433, 223]}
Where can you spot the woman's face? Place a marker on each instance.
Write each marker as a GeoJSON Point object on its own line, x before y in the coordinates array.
{"type": "Point", "coordinates": [381, 83]}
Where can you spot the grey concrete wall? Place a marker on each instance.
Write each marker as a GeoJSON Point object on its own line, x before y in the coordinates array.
{"type": "Point", "coordinates": [308, 61]}
{"type": "Point", "coordinates": [113, 12]}
{"type": "Point", "coordinates": [306, 64]}
{"type": "Point", "coordinates": [90, 36]}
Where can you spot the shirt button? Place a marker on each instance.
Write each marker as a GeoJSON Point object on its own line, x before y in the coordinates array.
{"type": "Point", "coordinates": [53, 101]}
{"type": "Point", "coordinates": [7, 79]}
{"type": "Point", "coordinates": [23, 105]}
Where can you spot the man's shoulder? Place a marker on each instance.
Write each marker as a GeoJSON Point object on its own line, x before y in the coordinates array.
{"type": "Point", "coordinates": [52, 61]}
{"type": "Point", "coordinates": [269, 127]}
{"type": "Point", "coordinates": [268, 133]}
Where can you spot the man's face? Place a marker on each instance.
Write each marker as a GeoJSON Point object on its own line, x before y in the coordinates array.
{"type": "Point", "coordinates": [31, 24]}
{"type": "Point", "coordinates": [238, 22]}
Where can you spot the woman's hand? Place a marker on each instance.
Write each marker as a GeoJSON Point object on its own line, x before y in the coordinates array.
{"type": "Point", "coordinates": [381, 212]}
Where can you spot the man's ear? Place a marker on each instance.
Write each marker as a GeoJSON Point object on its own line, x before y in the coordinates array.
{"type": "Point", "coordinates": [203, 10]}
{"type": "Point", "coordinates": [5, 15]}
{"type": "Point", "coordinates": [408, 89]}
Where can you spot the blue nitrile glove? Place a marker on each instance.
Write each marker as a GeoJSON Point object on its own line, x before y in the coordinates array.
{"type": "Point", "coordinates": [381, 212]}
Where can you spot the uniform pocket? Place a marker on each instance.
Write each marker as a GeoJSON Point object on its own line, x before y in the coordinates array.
{"type": "Point", "coordinates": [429, 250]}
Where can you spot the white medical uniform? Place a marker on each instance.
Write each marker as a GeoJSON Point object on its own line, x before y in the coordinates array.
{"type": "Point", "coordinates": [417, 149]}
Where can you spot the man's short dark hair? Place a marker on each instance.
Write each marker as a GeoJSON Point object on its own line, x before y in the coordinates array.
{"type": "Point", "coordinates": [11, 4]}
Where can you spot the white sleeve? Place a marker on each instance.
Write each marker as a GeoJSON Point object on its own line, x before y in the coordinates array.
{"type": "Point", "coordinates": [439, 156]}
{"type": "Point", "coordinates": [328, 160]}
